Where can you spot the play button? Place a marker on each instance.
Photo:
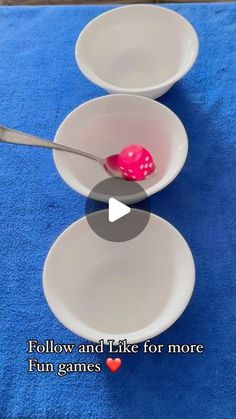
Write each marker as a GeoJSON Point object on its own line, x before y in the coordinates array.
{"type": "Point", "coordinates": [116, 218]}
{"type": "Point", "coordinates": [117, 210]}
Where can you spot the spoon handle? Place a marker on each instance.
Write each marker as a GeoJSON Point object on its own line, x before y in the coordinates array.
{"type": "Point", "coordinates": [11, 136]}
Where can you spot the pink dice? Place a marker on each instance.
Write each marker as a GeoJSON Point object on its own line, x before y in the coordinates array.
{"type": "Point", "coordinates": [135, 162]}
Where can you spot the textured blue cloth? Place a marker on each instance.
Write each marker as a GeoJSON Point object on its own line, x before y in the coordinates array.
{"type": "Point", "coordinates": [39, 84]}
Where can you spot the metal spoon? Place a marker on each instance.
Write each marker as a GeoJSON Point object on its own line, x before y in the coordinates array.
{"type": "Point", "coordinates": [11, 136]}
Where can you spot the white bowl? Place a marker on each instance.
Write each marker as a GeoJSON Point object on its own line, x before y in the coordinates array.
{"type": "Point", "coordinates": [105, 125]}
{"type": "Point", "coordinates": [137, 49]}
{"type": "Point", "coordinates": [132, 290]}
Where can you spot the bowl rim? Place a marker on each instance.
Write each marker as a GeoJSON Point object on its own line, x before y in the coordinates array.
{"type": "Point", "coordinates": [84, 190]}
{"type": "Point", "coordinates": [140, 335]}
{"type": "Point", "coordinates": [85, 70]}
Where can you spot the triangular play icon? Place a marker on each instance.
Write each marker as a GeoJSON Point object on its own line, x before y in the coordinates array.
{"type": "Point", "coordinates": [117, 210]}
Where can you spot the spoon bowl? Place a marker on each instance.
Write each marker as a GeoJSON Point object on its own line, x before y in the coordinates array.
{"type": "Point", "coordinates": [111, 165]}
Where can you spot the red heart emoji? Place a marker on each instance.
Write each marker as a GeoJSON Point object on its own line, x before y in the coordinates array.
{"type": "Point", "coordinates": [113, 364]}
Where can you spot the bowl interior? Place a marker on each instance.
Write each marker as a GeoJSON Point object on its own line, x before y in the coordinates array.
{"type": "Point", "coordinates": [131, 290]}
{"type": "Point", "coordinates": [136, 47]}
{"type": "Point", "coordinates": [105, 125]}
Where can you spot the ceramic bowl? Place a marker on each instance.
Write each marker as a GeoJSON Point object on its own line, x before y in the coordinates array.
{"type": "Point", "coordinates": [132, 290]}
{"type": "Point", "coordinates": [105, 125]}
{"type": "Point", "coordinates": [137, 49]}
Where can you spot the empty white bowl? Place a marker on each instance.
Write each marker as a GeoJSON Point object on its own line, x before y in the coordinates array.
{"type": "Point", "coordinates": [132, 290]}
{"type": "Point", "coordinates": [105, 125]}
{"type": "Point", "coordinates": [137, 49]}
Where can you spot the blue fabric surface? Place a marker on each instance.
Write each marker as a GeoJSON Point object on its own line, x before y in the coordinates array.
{"type": "Point", "coordinates": [39, 84]}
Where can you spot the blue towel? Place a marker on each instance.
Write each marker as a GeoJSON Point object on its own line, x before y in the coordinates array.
{"type": "Point", "coordinates": [39, 84]}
